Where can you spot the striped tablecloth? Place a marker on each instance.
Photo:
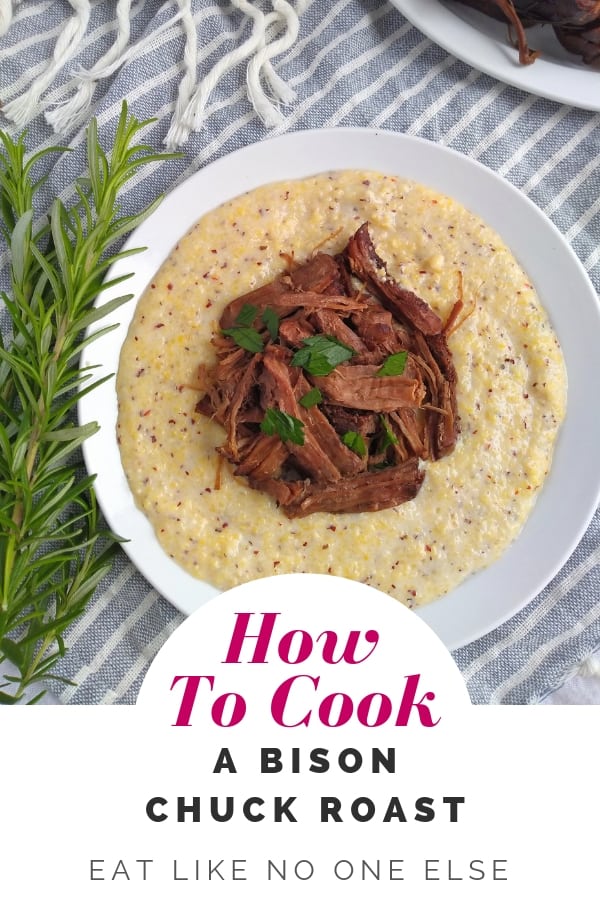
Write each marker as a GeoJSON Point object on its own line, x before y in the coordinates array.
{"type": "Point", "coordinates": [352, 63]}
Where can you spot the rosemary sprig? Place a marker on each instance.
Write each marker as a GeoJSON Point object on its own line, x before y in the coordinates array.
{"type": "Point", "coordinates": [53, 549]}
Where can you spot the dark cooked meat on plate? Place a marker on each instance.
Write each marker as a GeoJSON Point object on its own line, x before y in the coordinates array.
{"type": "Point", "coordinates": [333, 384]}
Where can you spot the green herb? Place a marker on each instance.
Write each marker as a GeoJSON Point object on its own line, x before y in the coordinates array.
{"type": "Point", "coordinates": [246, 315]}
{"type": "Point", "coordinates": [388, 439]}
{"type": "Point", "coordinates": [355, 441]}
{"type": "Point", "coordinates": [311, 398]}
{"type": "Point", "coordinates": [394, 364]}
{"type": "Point", "coordinates": [271, 320]}
{"type": "Point", "coordinates": [321, 354]}
{"type": "Point", "coordinates": [53, 549]}
{"type": "Point", "coordinates": [285, 426]}
{"type": "Point", "coordinates": [247, 338]}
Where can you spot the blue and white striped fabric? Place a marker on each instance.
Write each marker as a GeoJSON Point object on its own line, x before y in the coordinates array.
{"type": "Point", "coordinates": [353, 63]}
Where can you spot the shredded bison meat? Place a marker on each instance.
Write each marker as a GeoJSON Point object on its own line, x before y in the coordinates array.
{"type": "Point", "coordinates": [334, 383]}
{"type": "Point", "coordinates": [576, 23]}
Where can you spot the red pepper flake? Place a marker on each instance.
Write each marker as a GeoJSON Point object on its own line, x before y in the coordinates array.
{"type": "Point", "coordinates": [213, 250]}
{"type": "Point", "coordinates": [153, 286]}
{"type": "Point", "coordinates": [276, 562]}
{"type": "Point", "coordinates": [146, 412]}
{"type": "Point", "coordinates": [172, 422]}
{"type": "Point", "coordinates": [428, 548]}
{"type": "Point", "coordinates": [139, 372]}
{"type": "Point", "coordinates": [332, 527]}
{"type": "Point", "coordinates": [170, 286]}
{"type": "Point", "coordinates": [160, 325]}
{"type": "Point", "coordinates": [153, 438]}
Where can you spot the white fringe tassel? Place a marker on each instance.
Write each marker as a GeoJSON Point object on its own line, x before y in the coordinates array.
{"type": "Point", "coordinates": [590, 668]}
{"type": "Point", "coordinates": [22, 109]}
{"type": "Point", "coordinates": [6, 14]}
{"type": "Point", "coordinates": [272, 33]}
{"type": "Point", "coordinates": [261, 63]}
{"type": "Point", "coordinates": [179, 131]}
{"type": "Point", "coordinates": [192, 115]}
{"type": "Point", "coordinates": [73, 111]}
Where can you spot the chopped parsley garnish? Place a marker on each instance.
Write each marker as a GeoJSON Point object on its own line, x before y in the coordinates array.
{"type": "Point", "coordinates": [271, 320]}
{"type": "Point", "coordinates": [388, 438]}
{"type": "Point", "coordinates": [394, 364]}
{"type": "Point", "coordinates": [321, 354]}
{"type": "Point", "coordinates": [285, 426]}
{"type": "Point", "coordinates": [246, 315]}
{"type": "Point", "coordinates": [311, 398]}
{"type": "Point", "coordinates": [355, 441]}
{"type": "Point", "coordinates": [245, 337]}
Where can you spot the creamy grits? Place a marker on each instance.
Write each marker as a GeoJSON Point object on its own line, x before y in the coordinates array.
{"type": "Point", "coordinates": [511, 392]}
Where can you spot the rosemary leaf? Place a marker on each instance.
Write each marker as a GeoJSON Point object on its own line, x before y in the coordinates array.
{"type": "Point", "coordinates": [54, 550]}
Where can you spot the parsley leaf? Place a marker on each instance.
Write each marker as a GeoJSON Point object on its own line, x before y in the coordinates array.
{"type": "Point", "coordinates": [394, 364]}
{"type": "Point", "coordinates": [285, 426]}
{"type": "Point", "coordinates": [248, 338]}
{"type": "Point", "coordinates": [354, 441]}
{"type": "Point", "coordinates": [311, 398]}
{"type": "Point", "coordinates": [246, 315]}
{"type": "Point", "coordinates": [321, 354]}
{"type": "Point", "coordinates": [388, 438]}
{"type": "Point", "coordinates": [271, 320]}
{"type": "Point", "coordinates": [245, 335]}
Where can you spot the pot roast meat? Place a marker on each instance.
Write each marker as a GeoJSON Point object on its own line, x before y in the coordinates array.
{"type": "Point", "coordinates": [364, 433]}
{"type": "Point", "coordinates": [264, 458]}
{"type": "Point", "coordinates": [366, 492]}
{"type": "Point", "coordinates": [405, 305]}
{"type": "Point", "coordinates": [327, 321]}
{"type": "Point", "coordinates": [295, 329]}
{"type": "Point", "coordinates": [311, 457]}
{"type": "Point", "coordinates": [360, 387]}
{"type": "Point", "coordinates": [576, 23]}
{"type": "Point", "coordinates": [584, 41]}
{"type": "Point", "coordinates": [321, 274]}
{"type": "Point", "coordinates": [380, 332]}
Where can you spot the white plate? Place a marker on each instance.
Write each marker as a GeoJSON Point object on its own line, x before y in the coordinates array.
{"type": "Point", "coordinates": [482, 42]}
{"type": "Point", "coordinates": [569, 497]}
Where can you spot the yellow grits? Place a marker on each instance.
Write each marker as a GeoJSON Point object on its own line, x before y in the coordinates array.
{"type": "Point", "coordinates": [511, 392]}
